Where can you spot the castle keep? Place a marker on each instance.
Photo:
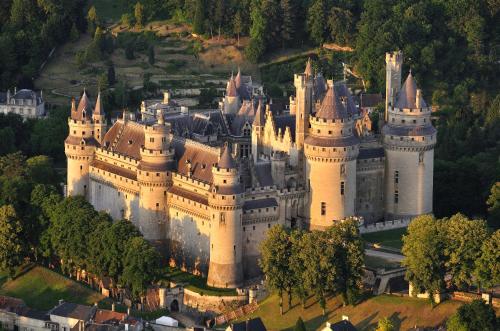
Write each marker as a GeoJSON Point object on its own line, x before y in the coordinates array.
{"type": "Point", "coordinates": [207, 186]}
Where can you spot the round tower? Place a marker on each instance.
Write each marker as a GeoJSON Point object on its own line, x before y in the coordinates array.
{"type": "Point", "coordinates": [79, 147]}
{"type": "Point", "coordinates": [331, 149]}
{"type": "Point", "coordinates": [409, 140]}
{"type": "Point", "coordinates": [153, 177]}
{"type": "Point", "coordinates": [226, 201]}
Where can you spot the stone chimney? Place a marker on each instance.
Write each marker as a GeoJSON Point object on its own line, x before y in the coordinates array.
{"type": "Point", "coordinates": [166, 97]}
{"type": "Point", "coordinates": [113, 308]}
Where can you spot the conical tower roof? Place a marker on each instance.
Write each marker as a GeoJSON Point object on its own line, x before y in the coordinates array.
{"type": "Point", "coordinates": [237, 80]}
{"type": "Point", "coordinates": [331, 106]}
{"type": "Point", "coordinates": [308, 71]}
{"type": "Point", "coordinates": [407, 96]}
{"type": "Point", "coordinates": [231, 88]}
{"type": "Point", "coordinates": [259, 119]}
{"type": "Point", "coordinates": [84, 109]}
{"type": "Point", "coordinates": [99, 109]}
{"type": "Point", "coordinates": [226, 160]}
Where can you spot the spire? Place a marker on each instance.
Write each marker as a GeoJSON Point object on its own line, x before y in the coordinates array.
{"type": "Point", "coordinates": [237, 80]}
{"type": "Point", "coordinates": [226, 160]}
{"type": "Point", "coordinates": [84, 110]}
{"type": "Point", "coordinates": [231, 88]}
{"type": "Point", "coordinates": [407, 97]}
{"type": "Point", "coordinates": [308, 72]}
{"type": "Point", "coordinates": [259, 119]}
{"type": "Point", "coordinates": [73, 106]}
{"type": "Point", "coordinates": [331, 106]}
{"type": "Point", "coordinates": [99, 109]}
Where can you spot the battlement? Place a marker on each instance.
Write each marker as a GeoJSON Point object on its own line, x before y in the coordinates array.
{"type": "Point", "coordinates": [394, 58]}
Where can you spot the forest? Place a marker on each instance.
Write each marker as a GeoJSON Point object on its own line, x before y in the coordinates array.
{"type": "Point", "coordinates": [452, 47]}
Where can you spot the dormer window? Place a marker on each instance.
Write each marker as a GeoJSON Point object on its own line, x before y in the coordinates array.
{"type": "Point", "coordinates": [129, 142]}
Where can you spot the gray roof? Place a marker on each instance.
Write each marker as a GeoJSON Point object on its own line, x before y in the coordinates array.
{"type": "Point", "coordinates": [284, 121]}
{"type": "Point", "coordinates": [202, 124]}
{"type": "Point", "coordinates": [332, 142]}
{"type": "Point", "coordinates": [260, 203]}
{"type": "Point", "coordinates": [3, 97]}
{"type": "Point", "coordinates": [73, 310]}
{"type": "Point", "coordinates": [35, 314]}
{"type": "Point", "coordinates": [263, 173]}
{"type": "Point", "coordinates": [371, 153]}
{"type": "Point", "coordinates": [331, 106]}
{"type": "Point", "coordinates": [407, 96]}
{"type": "Point", "coordinates": [370, 100]}
{"type": "Point", "coordinates": [342, 326]}
{"type": "Point", "coordinates": [226, 160]}
{"type": "Point", "coordinates": [343, 92]}
{"type": "Point", "coordinates": [320, 87]}
{"type": "Point", "coordinates": [245, 115]}
{"type": "Point", "coordinates": [259, 119]}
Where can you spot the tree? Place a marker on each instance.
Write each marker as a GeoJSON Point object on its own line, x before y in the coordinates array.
{"type": "Point", "coordinates": [199, 17]}
{"type": "Point", "coordinates": [74, 34]}
{"type": "Point", "coordinates": [288, 17]}
{"type": "Point", "coordinates": [297, 267]}
{"type": "Point", "coordinates": [340, 25]}
{"type": "Point", "coordinates": [111, 74]}
{"type": "Point", "coordinates": [275, 256]}
{"type": "Point", "coordinates": [129, 51]}
{"type": "Point", "coordinates": [385, 324]}
{"type": "Point", "coordinates": [316, 21]}
{"type": "Point", "coordinates": [238, 25]}
{"type": "Point", "coordinates": [102, 82]}
{"type": "Point", "coordinates": [141, 266]}
{"type": "Point", "coordinates": [493, 203]}
{"type": "Point", "coordinates": [423, 248]}
{"type": "Point", "coordinates": [256, 47]}
{"type": "Point", "coordinates": [151, 54]}
{"type": "Point", "coordinates": [476, 315]}
{"type": "Point", "coordinates": [299, 325]}
{"type": "Point", "coordinates": [139, 15]}
{"type": "Point", "coordinates": [316, 255]}
{"type": "Point", "coordinates": [126, 20]}
{"type": "Point", "coordinates": [464, 238]}
{"type": "Point", "coordinates": [487, 269]}
{"type": "Point", "coordinates": [11, 244]}
{"type": "Point", "coordinates": [8, 139]}
{"type": "Point", "coordinates": [40, 170]}
{"type": "Point", "coordinates": [92, 20]}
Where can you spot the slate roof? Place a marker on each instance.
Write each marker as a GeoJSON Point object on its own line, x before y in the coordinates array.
{"type": "Point", "coordinates": [343, 92]}
{"type": "Point", "coordinates": [263, 173]}
{"type": "Point", "coordinates": [201, 124]}
{"type": "Point", "coordinates": [84, 109]}
{"type": "Point", "coordinates": [331, 142]}
{"type": "Point", "coordinates": [331, 107]}
{"type": "Point", "coordinates": [254, 324]}
{"type": "Point", "coordinates": [226, 160]}
{"type": "Point", "coordinates": [370, 100]}
{"type": "Point", "coordinates": [35, 314]}
{"type": "Point", "coordinates": [99, 109]}
{"type": "Point", "coordinates": [201, 158]}
{"type": "Point", "coordinates": [260, 203]}
{"type": "Point", "coordinates": [320, 86]}
{"type": "Point", "coordinates": [259, 119]}
{"type": "Point", "coordinates": [245, 115]}
{"type": "Point", "coordinates": [284, 121]}
{"type": "Point", "coordinates": [73, 310]}
{"type": "Point", "coordinates": [125, 138]}
{"type": "Point", "coordinates": [371, 153]}
{"type": "Point", "coordinates": [342, 326]}
{"type": "Point", "coordinates": [407, 96]}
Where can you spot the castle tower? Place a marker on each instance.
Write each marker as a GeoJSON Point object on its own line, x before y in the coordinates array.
{"type": "Point", "coordinates": [278, 165]}
{"type": "Point", "coordinates": [303, 108]}
{"type": "Point", "coordinates": [259, 122]}
{"type": "Point", "coordinates": [331, 150]}
{"type": "Point", "coordinates": [153, 177]}
{"type": "Point", "coordinates": [409, 140]}
{"type": "Point", "coordinates": [394, 65]}
{"type": "Point", "coordinates": [226, 201]}
{"type": "Point", "coordinates": [232, 99]}
{"type": "Point", "coordinates": [79, 147]}
{"type": "Point", "coordinates": [99, 119]}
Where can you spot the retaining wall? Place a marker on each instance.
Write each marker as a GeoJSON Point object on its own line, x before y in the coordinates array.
{"type": "Point", "coordinates": [386, 225]}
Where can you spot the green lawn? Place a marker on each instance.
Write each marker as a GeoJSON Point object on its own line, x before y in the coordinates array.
{"type": "Point", "coordinates": [42, 288]}
{"type": "Point", "coordinates": [389, 238]}
{"type": "Point", "coordinates": [404, 312]}
{"type": "Point", "coordinates": [196, 283]}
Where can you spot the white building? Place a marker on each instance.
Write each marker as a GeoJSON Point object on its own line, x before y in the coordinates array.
{"type": "Point", "coordinates": [27, 103]}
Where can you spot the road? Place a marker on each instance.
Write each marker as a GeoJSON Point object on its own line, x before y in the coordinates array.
{"type": "Point", "coordinates": [388, 256]}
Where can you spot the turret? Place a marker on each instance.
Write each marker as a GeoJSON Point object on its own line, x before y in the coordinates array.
{"type": "Point", "coordinates": [80, 147]}
{"type": "Point", "coordinates": [99, 119]}
{"type": "Point", "coordinates": [226, 202]}
{"type": "Point", "coordinates": [409, 140]}
{"type": "Point", "coordinates": [394, 65]}
{"type": "Point", "coordinates": [303, 108]}
{"type": "Point", "coordinates": [154, 178]}
{"type": "Point", "coordinates": [331, 149]}
{"type": "Point", "coordinates": [231, 99]}
{"type": "Point", "coordinates": [259, 122]}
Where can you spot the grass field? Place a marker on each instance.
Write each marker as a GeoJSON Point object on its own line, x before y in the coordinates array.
{"type": "Point", "coordinates": [42, 288]}
{"type": "Point", "coordinates": [389, 238]}
{"type": "Point", "coordinates": [404, 312]}
{"type": "Point", "coordinates": [197, 284]}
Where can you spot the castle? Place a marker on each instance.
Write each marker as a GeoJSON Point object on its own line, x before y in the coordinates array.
{"type": "Point", "coordinates": [207, 186]}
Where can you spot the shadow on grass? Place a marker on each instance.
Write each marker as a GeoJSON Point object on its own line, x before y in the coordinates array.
{"type": "Point", "coordinates": [368, 322]}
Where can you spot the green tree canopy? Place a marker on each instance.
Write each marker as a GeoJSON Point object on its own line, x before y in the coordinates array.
{"type": "Point", "coordinates": [12, 247]}
{"type": "Point", "coordinates": [476, 315]}
{"type": "Point", "coordinates": [487, 269]}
